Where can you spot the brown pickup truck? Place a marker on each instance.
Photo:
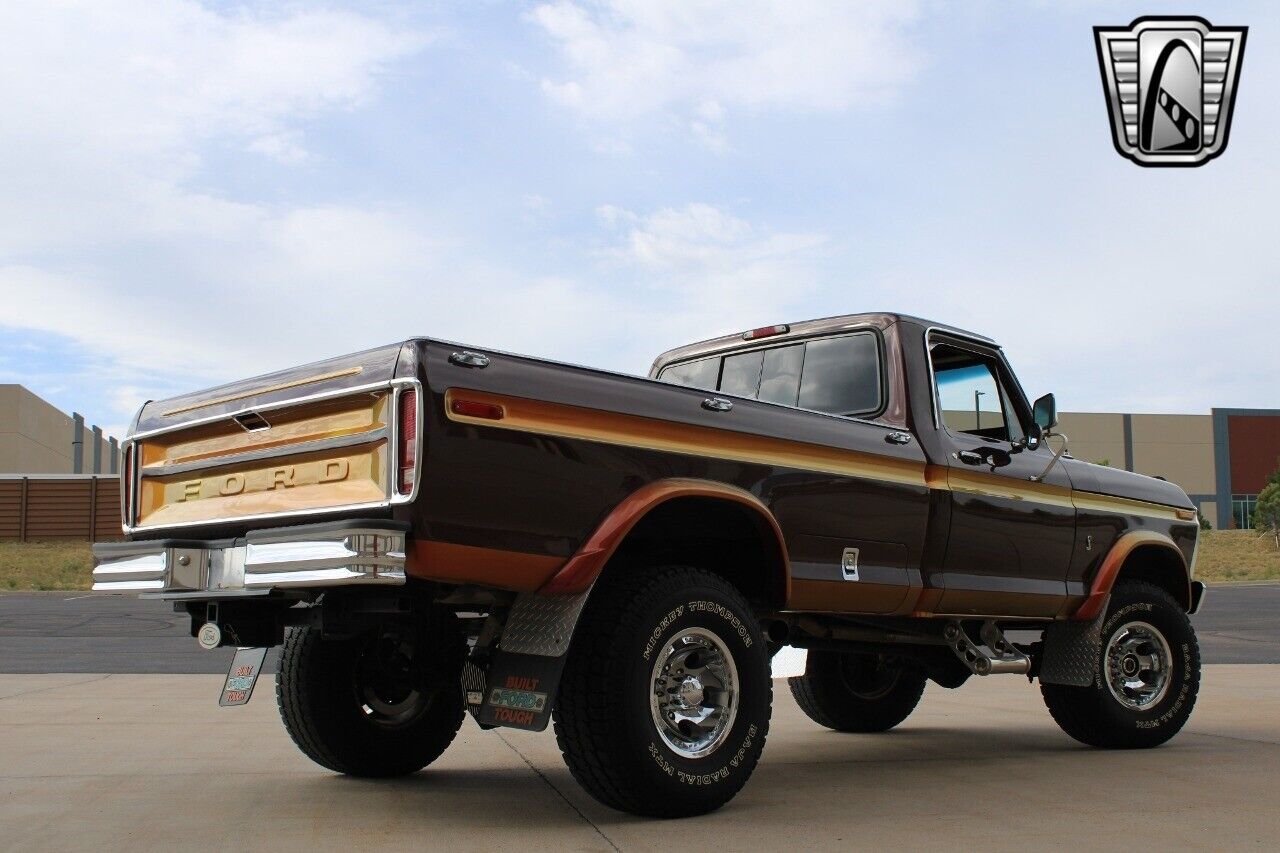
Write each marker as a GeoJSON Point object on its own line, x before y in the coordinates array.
{"type": "Point", "coordinates": [431, 530]}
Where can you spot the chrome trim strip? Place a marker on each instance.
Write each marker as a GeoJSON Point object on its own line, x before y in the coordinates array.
{"type": "Point", "coordinates": [270, 407]}
{"type": "Point", "coordinates": [279, 451]}
{"type": "Point", "coordinates": [281, 386]}
{"type": "Point", "coordinates": [296, 513]}
{"type": "Point", "coordinates": [267, 560]}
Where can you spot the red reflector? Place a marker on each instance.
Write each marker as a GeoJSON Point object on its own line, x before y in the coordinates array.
{"type": "Point", "coordinates": [765, 332]}
{"type": "Point", "coordinates": [474, 409]}
{"type": "Point", "coordinates": [408, 438]}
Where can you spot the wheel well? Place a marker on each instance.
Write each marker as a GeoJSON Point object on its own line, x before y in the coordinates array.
{"type": "Point", "coordinates": [721, 536]}
{"type": "Point", "coordinates": [1161, 567]}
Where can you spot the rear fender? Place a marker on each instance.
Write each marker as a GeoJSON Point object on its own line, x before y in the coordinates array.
{"type": "Point", "coordinates": [519, 686]}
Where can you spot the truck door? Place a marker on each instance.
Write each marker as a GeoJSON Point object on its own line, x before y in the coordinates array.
{"type": "Point", "coordinates": [1011, 536]}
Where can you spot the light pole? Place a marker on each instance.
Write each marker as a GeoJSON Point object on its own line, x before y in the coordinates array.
{"type": "Point", "coordinates": [977, 412]}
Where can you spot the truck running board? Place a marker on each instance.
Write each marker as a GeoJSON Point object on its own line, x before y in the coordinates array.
{"type": "Point", "coordinates": [995, 655]}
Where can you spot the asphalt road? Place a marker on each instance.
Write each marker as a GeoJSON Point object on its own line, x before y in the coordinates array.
{"type": "Point", "coordinates": [77, 632]}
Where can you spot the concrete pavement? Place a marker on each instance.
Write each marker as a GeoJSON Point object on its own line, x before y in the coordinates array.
{"type": "Point", "coordinates": [116, 762]}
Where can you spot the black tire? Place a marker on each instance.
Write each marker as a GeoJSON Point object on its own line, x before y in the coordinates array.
{"type": "Point", "coordinates": [1096, 715]}
{"type": "Point", "coordinates": [604, 723]}
{"type": "Point", "coordinates": [856, 692]}
{"type": "Point", "coordinates": [384, 703]}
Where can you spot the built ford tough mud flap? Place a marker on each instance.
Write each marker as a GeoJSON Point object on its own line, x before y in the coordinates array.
{"type": "Point", "coordinates": [431, 531]}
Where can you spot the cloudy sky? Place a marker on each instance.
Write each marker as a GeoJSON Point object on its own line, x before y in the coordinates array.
{"type": "Point", "coordinates": [195, 192]}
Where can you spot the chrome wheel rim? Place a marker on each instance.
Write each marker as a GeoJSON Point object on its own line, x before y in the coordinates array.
{"type": "Point", "coordinates": [1137, 666]}
{"type": "Point", "coordinates": [694, 693]}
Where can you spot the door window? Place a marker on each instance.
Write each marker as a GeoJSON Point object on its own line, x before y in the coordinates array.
{"type": "Point", "coordinates": [971, 398]}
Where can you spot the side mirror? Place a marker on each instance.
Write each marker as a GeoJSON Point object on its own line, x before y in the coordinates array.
{"type": "Point", "coordinates": [1045, 413]}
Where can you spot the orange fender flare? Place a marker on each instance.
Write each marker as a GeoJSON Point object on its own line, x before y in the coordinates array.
{"type": "Point", "coordinates": [1105, 579]}
{"type": "Point", "coordinates": [580, 572]}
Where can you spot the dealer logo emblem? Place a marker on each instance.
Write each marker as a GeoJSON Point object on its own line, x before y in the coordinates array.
{"type": "Point", "coordinates": [1170, 85]}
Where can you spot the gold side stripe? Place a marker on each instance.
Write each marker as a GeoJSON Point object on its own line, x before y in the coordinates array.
{"type": "Point", "coordinates": [525, 415]}
{"type": "Point", "coordinates": [535, 416]}
{"type": "Point", "coordinates": [1124, 506]}
{"type": "Point", "coordinates": [231, 398]}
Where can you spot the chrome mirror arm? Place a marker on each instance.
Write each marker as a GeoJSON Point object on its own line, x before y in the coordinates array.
{"type": "Point", "coordinates": [1056, 456]}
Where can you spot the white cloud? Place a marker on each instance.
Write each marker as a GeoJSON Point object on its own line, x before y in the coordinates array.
{"type": "Point", "coordinates": [109, 233]}
{"type": "Point", "coordinates": [695, 59]}
{"type": "Point", "coordinates": [701, 271]}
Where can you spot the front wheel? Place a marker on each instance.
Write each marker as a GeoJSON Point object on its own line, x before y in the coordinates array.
{"type": "Point", "coordinates": [665, 700]}
{"type": "Point", "coordinates": [386, 702]}
{"type": "Point", "coordinates": [1146, 676]}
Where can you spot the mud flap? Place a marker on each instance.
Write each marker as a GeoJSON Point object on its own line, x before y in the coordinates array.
{"type": "Point", "coordinates": [1071, 652]}
{"type": "Point", "coordinates": [516, 686]}
{"type": "Point", "coordinates": [520, 691]}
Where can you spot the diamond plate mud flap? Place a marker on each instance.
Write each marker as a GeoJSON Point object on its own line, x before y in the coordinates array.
{"type": "Point", "coordinates": [1071, 652]}
{"type": "Point", "coordinates": [518, 690]}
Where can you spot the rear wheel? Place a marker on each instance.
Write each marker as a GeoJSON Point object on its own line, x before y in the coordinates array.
{"type": "Point", "coordinates": [664, 704]}
{"type": "Point", "coordinates": [1146, 676]}
{"type": "Point", "coordinates": [384, 703]}
{"type": "Point", "coordinates": [856, 692]}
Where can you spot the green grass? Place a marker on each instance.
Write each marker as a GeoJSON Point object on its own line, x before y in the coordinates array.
{"type": "Point", "coordinates": [60, 565]}
{"type": "Point", "coordinates": [1225, 555]}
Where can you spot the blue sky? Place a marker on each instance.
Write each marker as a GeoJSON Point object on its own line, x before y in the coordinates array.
{"type": "Point", "coordinates": [199, 192]}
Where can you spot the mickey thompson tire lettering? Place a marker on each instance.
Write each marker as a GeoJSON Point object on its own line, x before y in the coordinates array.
{"type": "Point", "coordinates": [603, 720]}
{"type": "Point", "coordinates": [1094, 715]}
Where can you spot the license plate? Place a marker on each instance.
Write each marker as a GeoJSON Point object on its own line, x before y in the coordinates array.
{"type": "Point", "coordinates": [243, 674]}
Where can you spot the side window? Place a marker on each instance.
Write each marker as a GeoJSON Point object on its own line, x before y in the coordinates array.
{"type": "Point", "coordinates": [703, 373]}
{"type": "Point", "coordinates": [970, 395]}
{"type": "Point", "coordinates": [780, 374]}
{"type": "Point", "coordinates": [741, 374]}
{"type": "Point", "coordinates": [841, 376]}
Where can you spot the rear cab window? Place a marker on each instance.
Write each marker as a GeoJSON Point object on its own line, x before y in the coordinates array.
{"type": "Point", "coordinates": [839, 375]}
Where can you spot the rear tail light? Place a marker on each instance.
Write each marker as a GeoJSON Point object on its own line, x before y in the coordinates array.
{"type": "Point", "coordinates": [126, 486]}
{"type": "Point", "coordinates": [407, 452]}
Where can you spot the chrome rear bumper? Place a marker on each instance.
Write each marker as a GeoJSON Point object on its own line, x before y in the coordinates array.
{"type": "Point", "coordinates": [345, 553]}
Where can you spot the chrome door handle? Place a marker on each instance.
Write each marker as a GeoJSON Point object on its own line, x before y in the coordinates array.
{"type": "Point", "coordinates": [898, 438]}
{"type": "Point", "coordinates": [717, 404]}
{"type": "Point", "coordinates": [970, 457]}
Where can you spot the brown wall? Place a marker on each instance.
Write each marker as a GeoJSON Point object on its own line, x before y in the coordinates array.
{"type": "Point", "coordinates": [1255, 444]}
{"type": "Point", "coordinates": [60, 508]}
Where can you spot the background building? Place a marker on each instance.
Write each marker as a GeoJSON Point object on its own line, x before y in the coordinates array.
{"type": "Point", "coordinates": [38, 438]}
{"type": "Point", "coordinates": [1221, 459]}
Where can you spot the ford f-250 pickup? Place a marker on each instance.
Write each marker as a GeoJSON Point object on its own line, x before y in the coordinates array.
{"type": "Point", "coordinates": [431, 530]}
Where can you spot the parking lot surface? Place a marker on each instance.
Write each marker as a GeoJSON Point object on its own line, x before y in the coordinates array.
{"type": "Point", "coordinates": [122, 762]}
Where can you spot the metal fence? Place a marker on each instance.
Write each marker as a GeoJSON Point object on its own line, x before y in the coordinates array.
{"type": "Point", "coordinates": [59, 506]}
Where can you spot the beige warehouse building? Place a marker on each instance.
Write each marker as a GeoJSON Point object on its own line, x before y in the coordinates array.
{"type": "Point", "coordinates": [36, 437]}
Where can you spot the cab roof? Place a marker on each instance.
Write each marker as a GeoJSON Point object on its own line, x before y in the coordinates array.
{"type": "Point", "coordinates": [803, 329]}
